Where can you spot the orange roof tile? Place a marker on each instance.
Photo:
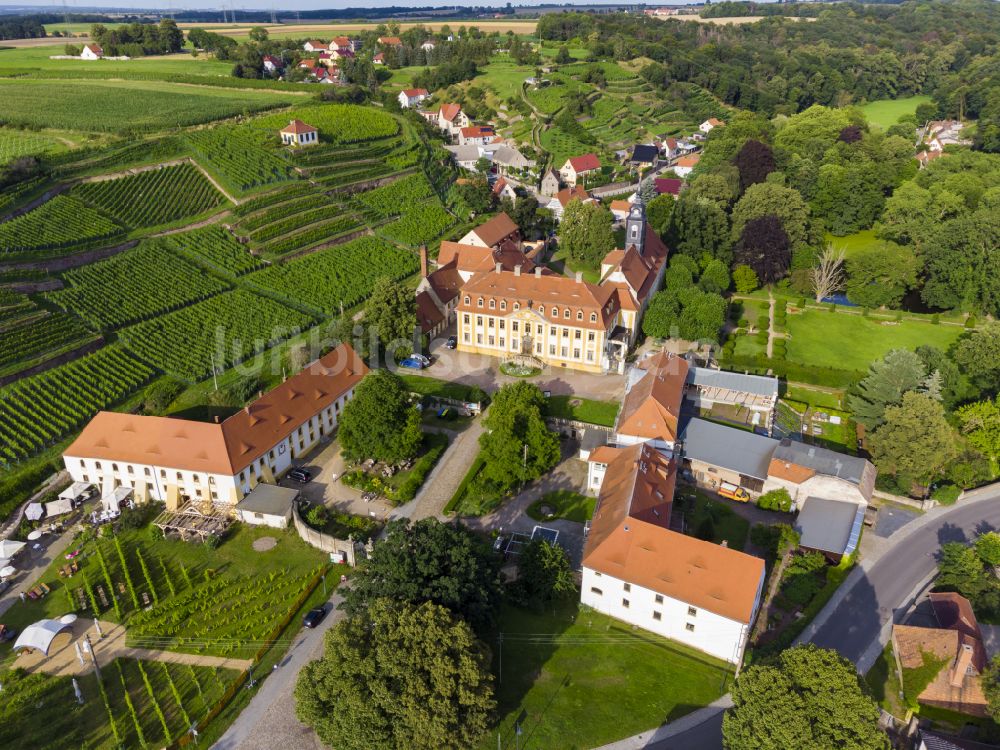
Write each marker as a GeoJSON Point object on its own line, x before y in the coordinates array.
{"type": "Point", "coordinates": [297, 127]}
{"type": "Point", "coordinates": [789, 472]}
{"type": "Point", "coordinates": [584, 163]}
{"type": "Point", "coordinates": [410, 93]}
{"type": "Point", "coordinates": [577, 192]}
{"type": "Point", "coordinates": [496, 229]}
{"type": "Point", "coordinates": [652, 405]}
{"type": "Point", "coordinates": [688, 161]}
{"type": "Point", "coordinates": [428, 314]}
{"type": "Point", "coordinates": [450, 111]}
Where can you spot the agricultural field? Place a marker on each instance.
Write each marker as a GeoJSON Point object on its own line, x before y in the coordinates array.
{"type": "Point", "coordinates": [423, 223]}
{"type": "Point", "coordinates": [157, 66]}
{"type": "Point", "coordinates": [219, 332]}
{"type": "Point", "coordinates": [158, 196]}
{"type": "Point", "coordinates": [38, 411]}
{"type": "Point", "coordinates": [134, 286]}
{"type": "Point", "coordinates": [37, 337]}
{"type": "Point", "coordinates": [886, 112]}
{"type": "Point", "coordinates": [214, 247]}
{"type": "Point", "coordinates": [16, 143]}
{"type": "Point", "coordinates": [311, 235]}
{"type": "Point", "coordinates": [337, 123]}
{"type": "Point", "coordinates": [242, 158]}
{"type": "Point", "coordinates": [125, 106]}
{"type": "Point", "coordinates": [397, 197]}
{"type": "Point", "coordinates": [63, 222]}
{"type": "Point", "coordinates": [339, 275]}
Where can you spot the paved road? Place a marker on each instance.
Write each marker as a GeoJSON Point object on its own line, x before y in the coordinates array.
{"type": "Point", "coordinates": [269, 720]}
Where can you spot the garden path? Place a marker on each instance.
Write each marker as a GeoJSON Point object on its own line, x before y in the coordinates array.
{"type": "Point", "coordinates": [770, 325]}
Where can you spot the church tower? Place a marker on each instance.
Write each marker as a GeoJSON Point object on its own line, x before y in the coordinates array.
{"type": "Point", "coordinates": [635, 224]}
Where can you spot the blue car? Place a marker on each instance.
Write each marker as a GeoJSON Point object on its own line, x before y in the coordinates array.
{"type": "Point", "coordinates": [412, 363]}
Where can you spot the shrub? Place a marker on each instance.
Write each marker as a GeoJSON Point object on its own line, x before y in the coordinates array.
{"type": "Point", "coordinates": [970, 322]}
{"type": "Point", "coordinates": [935, 319]}
{"type": "Point", "coordinates": [801, 588]}
{"type": "Point", "coordinates": [946, 494]}
{"type": "Point", "coordinates": [211, 542]}
{"type": "Point", "coordinates": [317, 516]}
{"type": "Point", "coordinates": [743, 323]}
{"type": "Point", "coordinates": [778, 499]}
{"type": "Point", "coordinates": [801, 303]}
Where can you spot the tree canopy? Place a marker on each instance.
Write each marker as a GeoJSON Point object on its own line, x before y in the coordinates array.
{"type": "Point", "coordinates": [915, 439]}
{"type": "Point", "coordinates": [380, 422]}
{"type": "Point", "coordinates": [391, 312]}
{"type": "Point", "coordinates": [585, 233]}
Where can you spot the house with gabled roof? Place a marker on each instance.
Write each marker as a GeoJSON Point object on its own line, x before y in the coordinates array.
{"type": "Point", "coordinates": [91, 52]}
{"type": "Point", "coordinates": [314, 45]}
{"type": "Point", "coordinates": [412, 97]}
{"type": "Point", "coordinates": [452, 119]}
{"type": "Point", "coordinates": [503, 189]}
{"type": "Point", "coordinates": [271, 63]}
{"type": "Point", "coordinates": [578, 167]}
{"type": "Point", "coordinates": [476, 135]}
{"type": "Point", "coordinates": [637, 570]}
{"type": "Point", "coordinates": [686, 164]}
{"type": "Point", "coordinates": [550, 183]}
{"type": "Point", "coordinates": [298, 133]}
{"type": "Point", "coordinates": [390, 41]}
{"type": "Point", "coordinates": [493, 233]}
{"type": "Point", "coordinates": [559, 201]}
{"type": "Point", "coordinates": [182, 460]}
{"type": "Point", "coordinates": [651, 407]}
{"type": "Point", "coordinates": [710, 124]}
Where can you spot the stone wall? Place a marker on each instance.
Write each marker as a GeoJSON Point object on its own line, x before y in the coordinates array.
{"type": "Point", "coordinates": [322, 541]}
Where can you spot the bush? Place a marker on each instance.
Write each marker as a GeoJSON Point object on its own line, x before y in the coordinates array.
{"type": "Point", "coordinates": [801, 303]}
{"type": "Point", "coordinates": [801, 588]}
{"type": "Point", "coordinates": [212, 541]}
{"type": "Point", "coordinates": [778, 500]}
{"type": "Point", "coordinates": [317, 516]}
{"type": "Point", "coordinates": [935, 319]}
{"type": "Point", "coordinates": [743, 323]}
{"type": "Point", "coordinates": [946, 494]}
{"type": "Point", "coordinates": [970, 322]}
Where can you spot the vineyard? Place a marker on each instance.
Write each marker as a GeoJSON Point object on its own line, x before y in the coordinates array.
{"type": "Point", "coordinates": [38, 411]}
{"type": "Point", "coordinates": [16, 143]}
{"type": "Point", "coordinates": [423, 223]}
{"type": "Point", "coordinates": [242, 157]}
{"type": "Point", "coordinates": [223, 330]}
{"type": "Point", "coordinates": [315, 234]}
{"type": "Point", "coordinates": [339, 123]}
{"type": "Point", "coordinates": [296, 221]}
{"type": "Point", "coordinates": [273, 197]}
{"type": "Point", "coordinates": [63, 221]}
{"type": "Point", "coordinates": [397, 197]}
{"type": "Point", "coordinates": [134, 285]}
{"type": "Point", "coordinates": [216, 248]}
{"type": "Point", "coordinates": [339, 275]}
{"type": "Point", "coordinates": [151, 198]}
{"type": "Point", "coordinates": [35, 335]}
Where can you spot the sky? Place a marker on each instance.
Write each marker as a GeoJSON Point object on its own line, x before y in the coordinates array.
{"type": "Point", "coordinates": [283, 6]}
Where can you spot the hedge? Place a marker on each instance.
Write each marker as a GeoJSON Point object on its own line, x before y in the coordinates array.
{"type": "Point", "coordinates": [793, 371]}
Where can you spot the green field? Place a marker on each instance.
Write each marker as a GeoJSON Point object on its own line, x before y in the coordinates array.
{"type": "Point", "coordinates": [15, 143]}
{"type": "Point", "coordinates": [37, 58]}
{"type": "Point", "coordinates": [858, 242]}
{"type": "Point", "coordinates": [886, 112]}
{"type": "Point", "coordinates": [843, 341]}
{"type": "Point", "coordinates": [125, 106]}
{"type": "Point", "coordinates": [554, 664]}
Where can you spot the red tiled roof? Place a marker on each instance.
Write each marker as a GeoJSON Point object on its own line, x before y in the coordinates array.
{"type": "Point", "coordinates": [297, 127]}
{"type": "Point", "coordinates": [411, 93]}
{"type": "Point", "coordinates": [584, 163]}
{"type": "Point", "coordinates": [428, 314]}
{"type": "Point", "coordinates": [496, 229]}
{"type": "Point", "coordinates": [577, 192]}
{"type": "Point", "coordinates": [688, 161]}
{"type": "Point", "coordinates": [391, 41]}
{"type": "Point", "coordinates": [668, 185]}
{"type": "Point", "coordinates": [478, 131]}
{"type": "Point", "coordinates": [446, 283]}
{"type": "Point", "coordinates": [450, 111]}
{"type": "Point", "coordinates": [652, 406]}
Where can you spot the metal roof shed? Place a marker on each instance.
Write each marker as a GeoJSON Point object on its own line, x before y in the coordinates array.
{"type": "Point", "coordinates": [831, 526]}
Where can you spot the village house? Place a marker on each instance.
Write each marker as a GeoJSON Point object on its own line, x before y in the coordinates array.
{"type": "Point", "coordinates": [179, 460]}
{"type": "Point", "coordinates": [412, 97]}
{"type": "Point", "coordinates": [378, 59]}
{"type": "Point", "coordinates": [476, 135]}
{"type": "Point", "coordinates": [390, 41]}
{"type": "Point", "coordinates": [644, 156]}
{"type": "Point", "coordinates": [91, 52]}
{"type": "Point", "coordinates": [345, 43]}
{"type": "Point", "coordinates": [637, 570]}
{"type": "Point", "coordinates": [709, 125]}
{"type": "Point", "coordinates": [619, 209]}
{"type": "Point", "coordinates": [559, 201]}
{"type": "Point", "coordinates": [507, 160]}
{"type": "Point", "coordinates": [451, 119]}
{"type": "Point", "coordinates": [578, 167]}
{"type": "Point", "coordinates": [498, 231]}
{"type": "Point", "coordinates": [341, 54]}
{"type": "Point", "coordinates": [271, 63]}
{"type": "Point", "coordinates": [307, 63]}
{"type": "Point", "coordinates": [314, 45]}
{"type": "Point", "coordinates": [550, 183]}
{"type": "Point", "coordinates": [427, 46]}
{"type": "Point", "coordinates": [467, 157]}
{"type": "Point", "coordinates": [503, 189]}
{"type": "Point", "coordinates": [298, 133]}
{"type": "Point", "coordinates": [686, 164]}
{"type": "Point", "coordinates": [669, 148]}
{"type": "Point", "coordinates": [668, 186]}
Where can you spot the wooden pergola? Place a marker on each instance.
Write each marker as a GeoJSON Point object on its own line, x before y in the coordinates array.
{"type": "Point", "coordinates": [191, 523]}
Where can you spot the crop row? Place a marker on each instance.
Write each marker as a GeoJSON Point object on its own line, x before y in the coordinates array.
{"type": "Point", "coordinates": [296, 221]}
{"type": "Point", "coordinates": [339, 275]}
{"type": "Point", "coordinates": [63, 221]}
{"type": "Point", "coordinates": [333, 154]}
{"type": "Point", "coordinates": [422, 223]}
{"type": "Point", "coordinates": [338, 123]}
{"type": "Point", "coordinates": [338, 178]}
{"type": "Point", "coordinates": [312, 235]}
{"type": "Point", "coordinates": [279, 211]}
{"type": "Point", "coordinates": [40, 335]}
{"type": "Point", "coordinates": [155, 197]}
{"type": "Point", "coordinates": [397, 197]}
{"type": "Point", "coordinates": [241, 155]}
{"type": "Point", "coordinates": [134, 285]}
{"type": "Point", "coordinates": [219, 332]}
{"type": "Point", "coordinates": [38, 411]}
{"type": "Point", "coordinates": [216, 247]}
{"type": "Point", "coordinates": [273, 197]}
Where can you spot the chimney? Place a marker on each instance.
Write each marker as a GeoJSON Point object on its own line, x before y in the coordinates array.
{"type": "Point", "coordinates": [517, 270]}
{"type": "Point", "coordinates": [538, 272]}
{"type": "Point", "coordinates": [423, 261]}
{"type": "Point", "coordinates": [579, 277]}
{"type": "Point", "coordinates": [499, 267]}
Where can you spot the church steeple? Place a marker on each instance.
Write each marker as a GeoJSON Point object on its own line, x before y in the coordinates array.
{"type": "Point", "coordinates": [635, 224]}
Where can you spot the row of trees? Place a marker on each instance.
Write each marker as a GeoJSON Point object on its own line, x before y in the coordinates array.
{"type": "Point", "coordinates": [136, 39]}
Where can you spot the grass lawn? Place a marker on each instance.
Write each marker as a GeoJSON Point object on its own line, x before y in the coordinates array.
{"type": "Point", "coordinates": [814, 397]}
{"type": "Point", "coordinates": [583, 410]}
{"type": "Point", "coordinates": [566, 504]}
{"type": "Point", "coordinates": [843, 341]}
{"type": "Point", "coordinates": [580, 679]}
{"type": "Point", "coordinates": [884, 684]}
{"type": "Point", "coordinates": [954, 723]}
{"type": "Point", "coordinates": [699, 510]}
{"type": "Point", "coordinates": [749, 346]}
{"type": "Point", "coordinates": [154, 66]}
{"type": "Point", "coordinates": [858, 242]}
{"type": "Point", "coordinates": [886, 112]}
{"type": "Point", "coordinates": [505, 78]}
{"type": "Point", "coordinates": [425, 386]}
{"type": "Point", "coordinates": [562, 264]}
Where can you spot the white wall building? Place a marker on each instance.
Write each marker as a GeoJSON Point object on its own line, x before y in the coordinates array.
{"type": "Point", "coordinates": [180, 460]}
{"type": "Point", "coordinates": [412, 97]}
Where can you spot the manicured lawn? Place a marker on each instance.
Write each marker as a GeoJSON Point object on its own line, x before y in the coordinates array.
{"type": "Point", "coordinates": [749, 346]}
{"type": "Point", "coordinates": [583, 410]}
{"type": "Point", "coordinates": [817, 398]}
{"type": "Point", "coordinates": [565, 504]}
{"type": "Point", "coordinates": [564, 265]}
{"type": "Point", "coordinates": [580, 679]}
{"type": "Point", "coordinates": [886, 112]}
{"type": "Point", "coordinates": [703, 514]}
{"type": "Point", "coordinates": [426, 386]}
{"type": "Point", "coordinates": [858, 242]}
{"type": "Point", "coordinates": [845, 341]}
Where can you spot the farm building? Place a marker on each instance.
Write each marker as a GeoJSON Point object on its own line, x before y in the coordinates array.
{"type": "Point", "coordinates": [297, 133]}
{"type": "Point", "coordinates": [91, 52]}
{"type": "Point", "coordinates": [267, 505]}
{"type": "Point", "coordinates": [180, 460]}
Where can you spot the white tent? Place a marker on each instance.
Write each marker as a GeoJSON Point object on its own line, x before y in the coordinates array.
{"type": "Point", "coordinates": [58, 507]}
{"type": "Point", "coordinates": [113, 500]}
{"type": "Point", "coordinates": [39, 636]}
{"type": "Point", "coordinates": [34, 512]}
{"type": "Point", "coordinates": [9, 548]}
{"type": "Point", "coordinates": [76, 491]}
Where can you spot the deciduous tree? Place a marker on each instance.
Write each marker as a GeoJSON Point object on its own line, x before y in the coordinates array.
{"type": "Point", "coordinates": [980, 423]}
{"type": "Point", "coordinates": [745, 279]}
{"type": "Point", "coordinates": [881, 276]}
{"type": "Point", "coordinates": [517, 446]}
{"type": "Point", "coordinates": [915, 440]}
{"type": "Point", "coordinates": [827, 275]}
{"type": "Point", "coordinates": [755, 161]}
{"type": "Point", "coordinates": [978, 354]}
{"type": "Point", "coordinates": [585, 232]}
{"type": "Point", "coordinates": [391, 313]}
{"type": "Point", "coordinates": [764, 246]}
{"type": "Point", "coordinates": [544, 575]}
{"type": "Point", "coordinates": [380, 422]}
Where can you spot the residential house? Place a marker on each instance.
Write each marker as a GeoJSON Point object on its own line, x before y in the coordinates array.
{"type": "Point", "coordinates": [427, 46]}
{"type": "Point", "coordinates": [686, 164]}
{"type": "Point", "coordinates": [503, 189]}
{"type": "Point", "coordinates": [272, 64]}
{"type": "Point", "coordinates": [619, 209]}
{"type": "Point", "coordinates": [577, 168]}
{"type": "Point", "coordinates": [928, 740]}
{"type": "Point", "coordinates": [324, 58]}
{"type": "Point", "coordinates": [390, 41]}
{"type": "Point", "coordinates": [644, 156]}
{"type": "Point", "coordinates": [452, 119]}
{"type": "Point", "coordinates": [467, 157]}
{"type": "Point", "coordinates": [499, 230]}
{"type": "Point", "coordinates": [651, 407]}
{"type": "Point", "coordinates": [91, 52]}
{"type": "Point", "coordinates": [669, 148]}
{"type": "Point", "coordinates": [307, 63]}
{"type": "Point", "coordinates": [508, 160]}
{"type": "Point", "coordinates": [344, 43]}
{"type": "Point", "coordinates": [810, 471]}
{"type": "Point", "coordinates": [709, 125]}
{"type": "Point", "coordinates": [314, 45]}
{"type": "Point", "coordinates": [668, 186]}
{"type": "Point", "coordinates": [637, 570]}
{"type": "Point", "coordinates": [957, 643]}
{"type": "Point", "coordinates": [412, 97]}
{"type": "Point", "coordinates": [342, 54]}
{"type": "Point", "coordinates": [182, 460]}
{"type": "Point", "coordinates": [476, 135]}
{"type": "Point", "coordinates": [559, 201]}
{"type": "Point", "coordinates": [378, 59]}
{"type": "Point", "coordinates": [298, 133]}
{"type": "Point", "coordinates": [712, 453]}
{"type": "Point", "coordinates": [550, 183]}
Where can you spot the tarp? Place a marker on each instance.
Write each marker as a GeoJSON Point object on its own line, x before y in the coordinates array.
{"type": "Point", "coordinates": [39, 635]}
{"type": "Point", "coordinates": [10, 547]}
{"type": "Point", "coordinates": [58, 507]}
{"type": "Point", "coordinates": [34, 512]}
{"type": "Point", "coordinates": [114, 499]}
{"type": "Point", "coordinates": [75, 490]}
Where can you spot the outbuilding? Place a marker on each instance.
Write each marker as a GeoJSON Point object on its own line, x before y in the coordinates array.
{"type": "Point", "coordinates": [298, 133]}
{"type": "Point", "coordinates": [267, 505]}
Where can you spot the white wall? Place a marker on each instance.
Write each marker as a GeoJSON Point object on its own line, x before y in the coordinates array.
{"type": "Point", "coordinates": [264, 519]}
{"type": "Point", "coordinates": [715, 635]}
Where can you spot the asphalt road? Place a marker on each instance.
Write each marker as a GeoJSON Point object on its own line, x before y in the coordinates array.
{"type": "Point", "coordinates": [855, 624]}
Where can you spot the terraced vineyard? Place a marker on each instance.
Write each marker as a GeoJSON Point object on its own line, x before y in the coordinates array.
{"type": "Point", "coordinates": [339, 275]}
{"type": "Point", "coordinates": [39, 411]}
{"type": "Point", "coordinates": [16, 143]}
{"type": "Point", "coordinates": [215, 247]}
{"type": "Point", "coordinates": [151, 198]}
{"type": "Point", "coordinates": [25, 340]}
{"type": "Point", "coordinates": [242, 157]}
{"type": "Point", "coordinates": [397, 197]}
{"type": "Point", "coordinates": [223, 330]}
{"type": "Point", "coordinates": [64, 222]}
{"type": "Point", "coordinates": [273, 197]}
{"type": "Point", "coordinates": [421, 224]}
{"type": "Point", "coordinates": [310, 236]}
{"type": "Point", "coordinates": [134, 285]}
{"type": "Point", "coordinates": [337, 123]}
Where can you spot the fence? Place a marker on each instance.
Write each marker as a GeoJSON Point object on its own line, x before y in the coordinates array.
{"type": "Point", "coordinates": [322, 541]}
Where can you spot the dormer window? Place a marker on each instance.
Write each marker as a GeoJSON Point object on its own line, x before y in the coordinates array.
{"type": "Point", "coordinates": [555, 312]}
{"type": "Point", "coordinates": [503, 304]}
{"type": "Point", "coordinates": [479, 302]}
{"type": "Point", "coordinates": [493, 304]}
{"type": "Point", "coordinates": [579, 314]}
{"type": "Point", "coordinates": [593, 317]}
{"type": "Point", "coordinates": [517, 305]}
{"type": "Point", "coordinates": [566, 314]}
{"type": "Point", "coordinates": [467, 299]}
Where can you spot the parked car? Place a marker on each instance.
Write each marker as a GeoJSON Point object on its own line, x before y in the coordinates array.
{"type": "Point", "coordinates": [300, 475]}
{"type": "Point", "coordinates": [451, 343]}
{"type": "Point", "coordinates": [422, 359]}
{"type": "Point", "coordinates": [412, 363]}
{"type": "Point", "coordinates": [314, 617]}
